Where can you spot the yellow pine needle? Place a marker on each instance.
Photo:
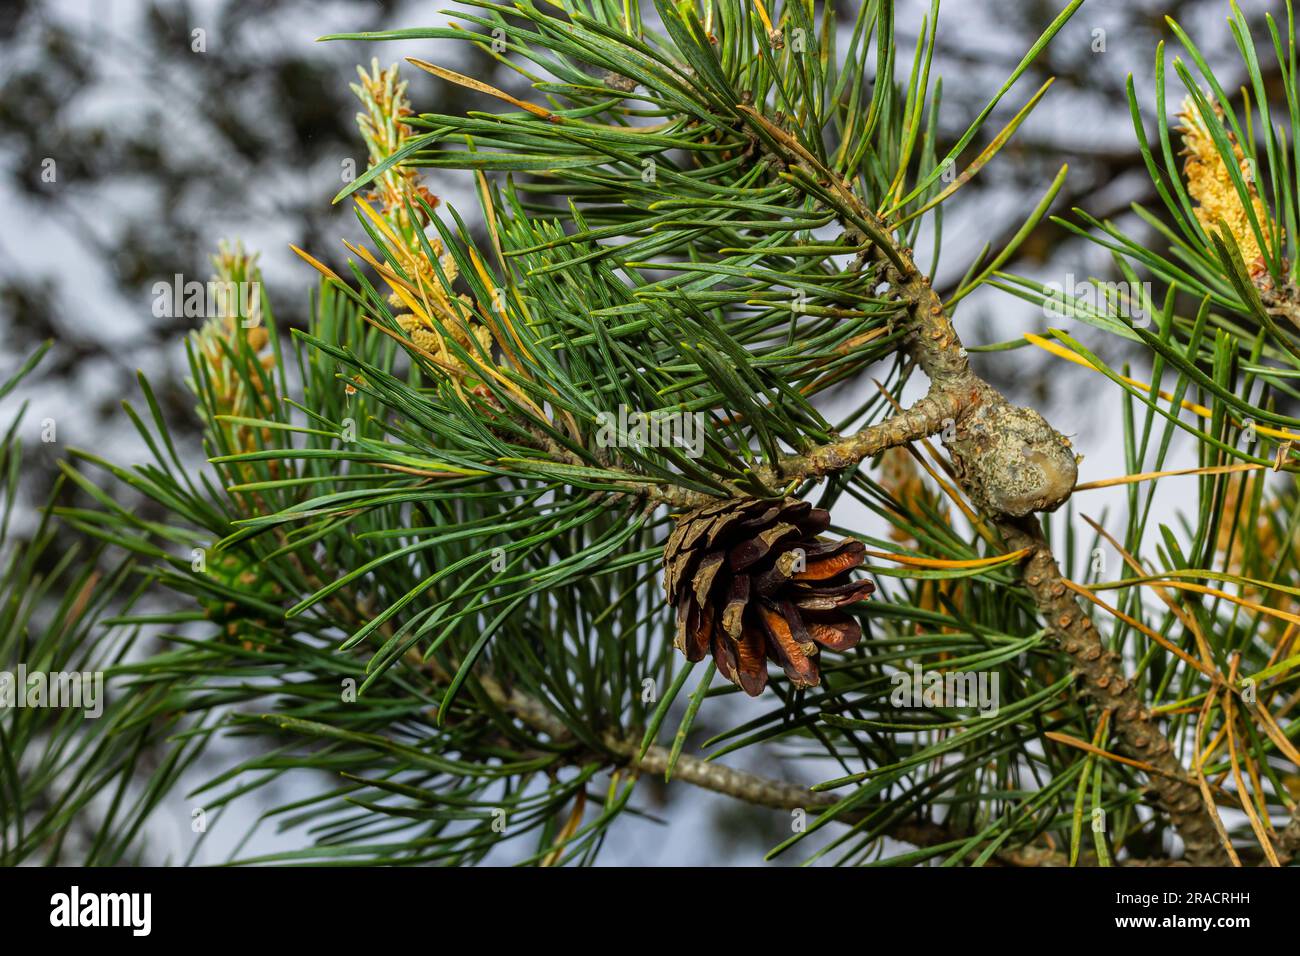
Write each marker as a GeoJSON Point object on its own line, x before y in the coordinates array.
{"type": "Point", "coordinates": [421, 309]}
{"type": "Point", "coordinates": [1187, 620]}
{"type": "Point", "coordinates": [1197, 573]}
{"type": "Point", "coordinates": [951, 491]}
{"type": "Point", "coordinates": [1270, 726]}
{"type": "Point", "coordinates": [379, 221]}
{"type": "Point", "coordinates": [478, 367]}
{"type": "Point", "coordinates": [1252, 766]}
{"type": "Point", "coordinates": [1257, 788]}
{"type": "Point", "coordinates": [1207, 797]}
{"type": "Point", "coordinates": [481, 87]}
{"type": "Point", "coordinates": [315, 263]}
{"type": "Point", "coordinates": [489, 208]}
{"type": "Point", "coordinates": [1086, 747]}
{"type": "Point", "coordinates": [382, 268]}
{"type": "Point", "coordinates": [1283, 646]}
{"type": "Point", "coordinates": [448, 472]}
{"type": "Point", "coordinates": [499, 316]}
{"type": "Point", "coordinates": [494, 235]}
{"type": "Point", "coordinates": [859, 340]}
{"type": "Point", "coordinates": [514, 334]}
{"type": "Point", "coordinates": [1203, 589]}
{"type": "Point", "coordinates": [946, 563]}
{"type": "Point", "coordinates": [1156, 636]}
{"type": "Point", "coordinates": [1243, 795]}
{"type": "Point", "coordinates": [1200, 411]}
{"type": "Point", "coordinates": [1212, 747]}
{"type": "Point", "coordinates": [455, 371]}
{"type": "Point", "coordinates": [1098, 736]}
{"type": "Point", "coordinates": [1170, 473]}
{"type": "Point", "coordinates": [568, 830]}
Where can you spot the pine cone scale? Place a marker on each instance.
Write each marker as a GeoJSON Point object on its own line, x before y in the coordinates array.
{"type": "Point", "coordinates": [845, 556]}
{"type": "Point", "coordinates": [733, 615]}
{"type": "Point", "coordinates": [752, 659]}
{"type": "Point", "coordinates": [705, 574]}
{"type": "Point", "coordinates": [794, 655]}
{"type": "Point", "coordinates": [838, 633]}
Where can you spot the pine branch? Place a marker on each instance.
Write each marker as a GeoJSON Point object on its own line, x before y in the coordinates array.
{"type": "Point", "coordinates": [739, 784]}
{"type": "Point", "coordinates": [516, 349]}
{"type": "Point", "coordinates": [994, 441]}
{"type": "Point", "coordinates": [1008, 460]}
{"type": "Point", "coordinates": [989, 473]}
{"type": "Point", "coordinates": [749, 787]}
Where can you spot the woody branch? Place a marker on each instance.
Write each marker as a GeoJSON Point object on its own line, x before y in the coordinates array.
{"type": "Point", "coordinates": [1009, 461]}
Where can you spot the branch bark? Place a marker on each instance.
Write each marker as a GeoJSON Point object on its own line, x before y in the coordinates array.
{"type": "Point", "coordinates": [1288, 842]}
{"type": "Point", "coordinates": [1104, 683]}
{"type": "Point", "coordinates": [929, 416]}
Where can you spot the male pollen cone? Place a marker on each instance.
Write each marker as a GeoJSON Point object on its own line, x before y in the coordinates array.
{"type": "Point", "coordinates": [752, 582]}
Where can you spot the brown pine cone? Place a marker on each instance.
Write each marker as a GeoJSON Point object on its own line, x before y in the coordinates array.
{"type": "Point", "coordinates": [751, 582]}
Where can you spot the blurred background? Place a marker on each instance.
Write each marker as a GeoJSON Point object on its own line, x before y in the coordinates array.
{"type": "Point", "coordinates": [135, 135]}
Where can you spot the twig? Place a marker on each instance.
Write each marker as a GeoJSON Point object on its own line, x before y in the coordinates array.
{"type": "Point", "coordinates": [929, 416]}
